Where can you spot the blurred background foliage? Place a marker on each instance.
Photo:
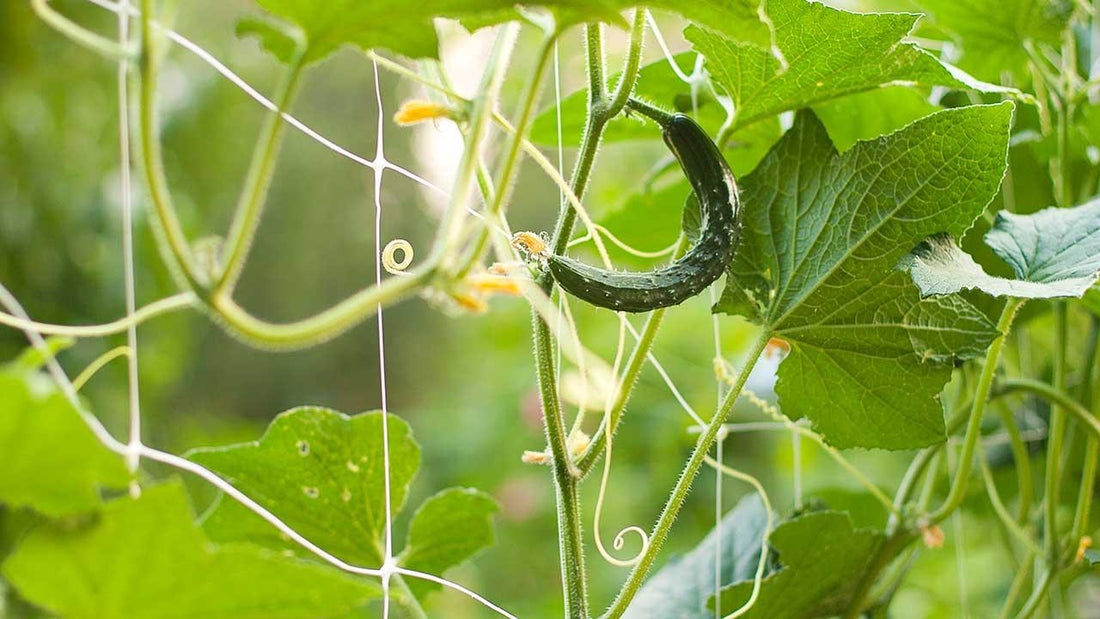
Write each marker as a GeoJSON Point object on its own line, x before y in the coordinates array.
{"type": "Point", "coordinates": [464, 383]}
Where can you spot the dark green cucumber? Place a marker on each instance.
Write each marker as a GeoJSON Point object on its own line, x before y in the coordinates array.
{"type": "Point", "coordinates": [720, 230]}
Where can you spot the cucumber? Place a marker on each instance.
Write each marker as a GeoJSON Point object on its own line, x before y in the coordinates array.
{"type": "Point", "coordinates": [720, 230]}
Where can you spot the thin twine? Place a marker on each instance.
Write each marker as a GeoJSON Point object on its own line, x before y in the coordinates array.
{"type": "Point", "coordinates": [133, 455]}
{"type": "Point", "coordinates": [135, 449]}
{"type": "Point", "coordinates": [379, 168]}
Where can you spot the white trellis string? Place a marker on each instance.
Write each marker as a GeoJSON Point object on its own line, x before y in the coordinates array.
{"type": "Point", "coordinates": [134, 450]}
{"type": "Point", "coordinates": [133, 455]}
{"type": "Point", "coordinates": [379, 169]}
{"type": "Point", "coordinates": [124, 7]}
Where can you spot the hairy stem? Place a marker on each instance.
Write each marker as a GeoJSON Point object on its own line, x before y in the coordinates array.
{"type": "Point", "coordinates": [566, 475]}
{"type": "Point", "coordinates": [974, 424]}
{"type": "Point", "coordinates": [570, 541]}
{"type": "Point", "coordinates": [511, 158]}
{"type": "Point", "coordinates": [250, 206]}
{"type": "Point", "coordinates": [634, 366]}
{"type": "Point", "coordinates": [683, 485]}
{"type": "Point", "coordinates": [176, 249]}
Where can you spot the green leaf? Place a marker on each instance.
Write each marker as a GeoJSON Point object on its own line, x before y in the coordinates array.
{"type": "Point", "coordinates": [408, 28]}
{"type": "Point", "coordinates": [145, 558]}
{"type": "Point", "coordinates": [1054, 253]}
{"type": "Point", "coordinates": [992, 33]}
{"type": "Point", "coordinates": [321, 472]}
{"type": "Point", "coordinates": [830, 52]}
{"type": "Point", "coordinates": [51, 460]}
{"type": "Point", "coordinates": [820, 242]}
{"type": "Point", "coordinates": [682, 587]}
{"type": "Point", "coordinates": [279, 38]}
{"type": "Point", "coordinates": [823, 557]}
{"type": "Point", "coordinates": [32, 359]}
{"type": "Point", "coordinates": [1092, 555]}
{"type": "Point", "coordinates": [871, 114]}
{"type": "Point", "coordinates": [1091, 300]}
{"type": "Point", "coordinates": [450, 527]}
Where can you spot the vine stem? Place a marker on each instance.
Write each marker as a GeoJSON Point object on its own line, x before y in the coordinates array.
{"type": "Point", "coordinates": [503, 182]}
{"type": "Point", "coordinates": [250, 206]}
{"type": "Point", "coordinates": [1092, 446]}
{"type": "Point", "coordinates": [175, 247]}
{"type": "Point", "coordinates": [566, 475]}
{"type": "Point", "coordinates": [1055, 440]}
{"type": "Point", "coordinates": [683, 484]}
{"type": "Point", "coordinates": [898, 535]}
{"type": "Point", "coordinates": [974, 424]}
{"type": "Point", "coordinates": [570, 540]}
{"type": "Point", "coordinates": [80, 35]}
{"type": "Point", "coordinates": [1056, 397]}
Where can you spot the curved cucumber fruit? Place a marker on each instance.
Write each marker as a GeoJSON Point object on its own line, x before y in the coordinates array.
{"type": "Point", "coordinates": [720, 230]}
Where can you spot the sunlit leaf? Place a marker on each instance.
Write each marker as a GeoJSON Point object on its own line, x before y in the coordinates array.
{"type": "Point", "coordinates": [830, 52]}
{"type": "Point", "coordinates": [1054, 253]}
{"type": "Point", "coordinates": [448, 528]}
{"type": "Point", "coordinates": [408, 28]}
{"type": "Point", "coordinates": [51, 460]}
{"type": "Point", "coordinates": [822, 235]}
{"type": "Point", "coordinates": [322, 472]}
{"type": "Point", "coordinates": [993, 34]}
{"type": "Point", "coordinates": [146, 558]}
{"type": "Point", "coordinates": [823, 559]}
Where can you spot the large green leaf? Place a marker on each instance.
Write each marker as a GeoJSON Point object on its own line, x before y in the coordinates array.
{"type": "Point", "coordinates": [1091, 300]}
{"type": "Point", "coordinates": [1054, 253]}
{"type": "Point", "coordinates": [830, 53]}
{"type": "Point", "coordinates": [822, 235]}
{"type": "Point", "coordinates": [682, 587]}
{"type": "Point", "coordinates": [321, 471]}
{"type": "Point", "coordinates": [408, 28]}
{"type": "Point", "coordinates": [146, 558]}
{"type": "Point", "coordinates": [823, 558]}
{"type": "Point", "coordinates": [51, 460]}
{"type": "Point", "coordinates": [992, 34]}
{"type": "Point", "coordinates": [448, 528]}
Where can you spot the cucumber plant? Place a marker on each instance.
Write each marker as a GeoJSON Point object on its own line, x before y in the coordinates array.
{"type": "Point", "coordinates": [912, 245]}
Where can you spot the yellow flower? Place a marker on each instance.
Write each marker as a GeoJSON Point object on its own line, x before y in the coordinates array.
{"type": "Point", "coordinates": [415, 111]}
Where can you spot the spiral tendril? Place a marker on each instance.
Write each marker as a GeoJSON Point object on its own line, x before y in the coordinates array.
{"type": "Point", "coordinates": [390, 262]}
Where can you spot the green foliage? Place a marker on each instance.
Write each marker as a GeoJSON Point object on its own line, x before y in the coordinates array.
{"type": "Point", "coordinates": [407, 29]}
{"type": "Point", "coordinates": [681, 588]}
{"type": "Point", "coordinates": [145, 558]}
{"type": "Point", "coordinates": [52, 462]}
{"type": "Point", "coordinates": [993, 34]}
{"type": "Point", "coordinates": [831, 53]}
{"type": "Point", "coordinates": [822, 558]}
{"type": "Point", "coordinates": [1055, 253]}
{"type": "Point", "coordinates": [322, 473]}
{"type": "Point", "coordinates": [447, 529]}
{"type": "Point", "coordinates": [816, 266]}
